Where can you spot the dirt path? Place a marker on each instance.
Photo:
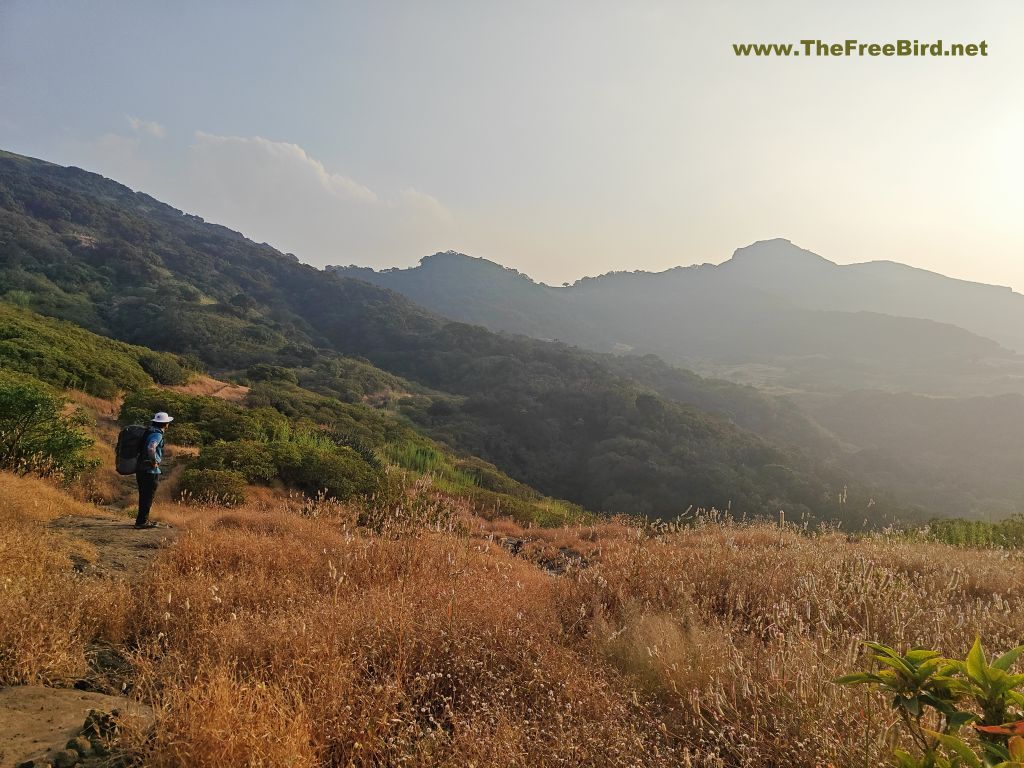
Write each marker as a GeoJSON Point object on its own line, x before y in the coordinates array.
{"type": "Point", "coordinates": [123, 550]}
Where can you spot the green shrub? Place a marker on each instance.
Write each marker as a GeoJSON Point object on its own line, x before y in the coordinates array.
{"type": "Point", "coordinates": [337, 472]}
{"type": "Point", "coordinates": [163, 368]}
{"type": "Point", "coordinates": [1005, 534]}
{"type": "Point", "coordinates": [212, 486]}
{"type": "Point", "coordinates": [488, 477]}
{"type": "Point", "coordinates": [936, 697]}
{"type": "Point", "coordinates": [546, 513]}
{"type": "Point", "coordinates": [187, 434]}
{"type": "Point", "coordinates": [266, 372]}
{"type": "Point", "coordinates": [285, 455]}
{"type": "Point", "coordinates": [35, 435]}
{"type": "Point", "coordinates": [416, 456]}
{"type": "Point", "coordinates": [214, 419]}
{"type": "Point", "coordinates": [305, 460]}
{"type": "Point", "coordinates": [253, 460]}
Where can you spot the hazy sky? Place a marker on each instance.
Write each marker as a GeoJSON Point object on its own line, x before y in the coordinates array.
{"type": "Point", "coordinates": [561, 138]}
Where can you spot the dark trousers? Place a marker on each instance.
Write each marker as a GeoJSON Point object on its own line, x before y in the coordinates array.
{"type": "Point", "coordinates": [147, 490]}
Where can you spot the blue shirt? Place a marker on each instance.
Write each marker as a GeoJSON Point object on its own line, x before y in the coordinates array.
{"type": "Point", "coordinates": [156, 437]}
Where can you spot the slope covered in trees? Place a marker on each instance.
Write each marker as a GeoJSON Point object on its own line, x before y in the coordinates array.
{"type": "Point", "coordinates": [569, 423]}
{"type": "Point", "coordinates": [277, 433]}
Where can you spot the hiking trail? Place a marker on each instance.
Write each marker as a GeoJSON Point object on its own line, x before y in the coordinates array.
{"type": "Point", "coordinates": [37, 722]}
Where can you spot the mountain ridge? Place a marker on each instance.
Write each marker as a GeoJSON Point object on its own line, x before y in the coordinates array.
{"type": "Point", "coordinates": [766, 293]}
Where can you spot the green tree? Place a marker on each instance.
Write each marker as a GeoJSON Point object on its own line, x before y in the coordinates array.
{"type": "Point", "coordinates": [35, 434]}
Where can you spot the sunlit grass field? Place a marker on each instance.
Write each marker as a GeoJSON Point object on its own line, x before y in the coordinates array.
{"type": "Point", "coordinates": [284, 633]}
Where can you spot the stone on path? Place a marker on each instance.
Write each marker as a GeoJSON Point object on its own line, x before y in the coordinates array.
{"type": "Point", "coordinates": [36, 722]}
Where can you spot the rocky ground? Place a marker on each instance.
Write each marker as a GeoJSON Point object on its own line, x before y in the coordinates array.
{"type": "Point", "coordinates": [62, 727]}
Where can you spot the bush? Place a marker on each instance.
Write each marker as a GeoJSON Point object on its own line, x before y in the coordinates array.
{"type": "Point", "coordinates": [187, 434]}
{"type": "Point", "coordinates": [211, 419]}
{"type": "Point", "coordinates": [338, 472]}
{"type": "Point", "coordinates": [253, 460]}
{"type": "Point", "coordinates": [212, 486]}
{"type": "Point", "coordinates": [488, 477]}
{"type": "Point", "coordinates": [936, 697]}
{"type": "Point", "coordinates": [35, 435]}
{"type": "Point", "coordinates": [266, 372]}
{"type": "Point", "coordinates": [163, 368]}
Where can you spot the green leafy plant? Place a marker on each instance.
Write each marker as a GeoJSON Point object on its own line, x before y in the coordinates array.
{"type": "Point", "coordinates": [251, 459]}
{"type": "Point", "coordinates": [212, 486]}
{"type": "Point", "coordinates": [36, 436]}
{"type": "Point", "coordinates": [936, 697]}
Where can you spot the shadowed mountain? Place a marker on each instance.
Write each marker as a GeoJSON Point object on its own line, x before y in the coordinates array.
{"type": "Point", "coordinates": [573, 424]}
{"type": "Point", "coordinates": [888, 287]}
{"type": "Point", "coordinates": [774, 314]}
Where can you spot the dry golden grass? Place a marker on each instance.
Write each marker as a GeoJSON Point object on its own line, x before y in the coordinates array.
{"type": "Point", "coordinates": [99, 407]}
{"type": "Point", "coordinates": [281, 633]}
{"type": "Point", "coordinates": [49, 615]}
{"type": "Point", "coordinates": [715, 646]}
{"type": "Point", "coordinates": [29, 499]}
{"type": "Point", "coordinates": [423, 649]}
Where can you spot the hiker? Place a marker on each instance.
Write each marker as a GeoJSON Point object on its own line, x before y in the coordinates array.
{"type": "Point", "coordinates": [147, 475]}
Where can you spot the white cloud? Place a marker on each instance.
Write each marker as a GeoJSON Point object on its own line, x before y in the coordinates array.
{"type": "Point", "coordinates": [283, 157]}
{"type": "Point", "coordinates": [275, 191]}
{"type": "Point", "coordinates": [426, 203]}
{"type": "Point", "coordinates": [149, 128]}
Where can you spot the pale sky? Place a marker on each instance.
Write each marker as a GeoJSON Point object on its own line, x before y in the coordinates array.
{"type": "Point", "coordinates": [560, 138]}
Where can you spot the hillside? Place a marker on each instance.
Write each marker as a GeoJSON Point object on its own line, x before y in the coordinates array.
{"type": "Point", "coordinates": [992, 311]}
{"type": "Point", "coordinates": [923, 408]}
{"type": "Point", "coordinates": [273, 433]}
{"type": "Point", "coordinates": [774, 315]}
{"type": "Point", "coordinates": [568, 423]}
{"type": "Point", "coordinates": [63, 354]}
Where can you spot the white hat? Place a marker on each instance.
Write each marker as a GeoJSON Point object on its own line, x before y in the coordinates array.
{"type": "Point", "coordinates": [162, 418]}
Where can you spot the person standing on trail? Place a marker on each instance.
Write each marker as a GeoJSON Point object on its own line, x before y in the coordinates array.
{"type": "Point", "coordinates": [148, 473]}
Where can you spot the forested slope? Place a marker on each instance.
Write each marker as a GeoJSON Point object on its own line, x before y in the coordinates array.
{"type": "Point", "coordinates": [569, 423]}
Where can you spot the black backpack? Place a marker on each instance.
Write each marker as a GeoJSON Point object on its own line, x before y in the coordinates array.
{"type": "Point", "coordinates": [130, 442]}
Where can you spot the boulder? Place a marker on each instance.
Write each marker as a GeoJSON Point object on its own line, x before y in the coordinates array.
{"type": "Point", "coordinates": [65, 758]}
{"type": "Point", "coordinates": [81, 745]}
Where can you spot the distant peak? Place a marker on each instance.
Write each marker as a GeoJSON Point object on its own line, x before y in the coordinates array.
{"type": "Point", "coordinates": [445, 256]}
{"type": "Point", "coordinates": [776, 253]}
{"type": "Point", "coordinates": [464, 263]}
